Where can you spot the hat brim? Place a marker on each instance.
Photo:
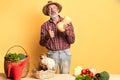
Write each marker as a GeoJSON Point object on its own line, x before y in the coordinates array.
{"type": "Point", "coordinates": [45, 8]}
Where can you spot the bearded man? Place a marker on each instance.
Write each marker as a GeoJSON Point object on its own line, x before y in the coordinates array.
{"type": "Point", "coordinates": [57, 42]}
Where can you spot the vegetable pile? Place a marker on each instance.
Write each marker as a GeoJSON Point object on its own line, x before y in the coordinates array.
{"type": "Point", "coordinates": [90, 74]}
{"type": "Point", "coordinates": [15, 56]}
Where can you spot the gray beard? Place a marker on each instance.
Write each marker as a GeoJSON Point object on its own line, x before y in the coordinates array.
{"type": "Point", "coordinates": [54, 16]}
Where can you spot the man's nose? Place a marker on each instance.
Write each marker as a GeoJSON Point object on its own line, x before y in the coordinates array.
{"type": "Point", "coordinates": [52, 10]}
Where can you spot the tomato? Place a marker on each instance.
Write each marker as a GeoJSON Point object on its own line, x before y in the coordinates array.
{"type": "Point", "coordinates": [83, 71]}
{"type": "Point", "coordinates": [88, 71]}
{"type": "Point", "coordinates": [91, 74]}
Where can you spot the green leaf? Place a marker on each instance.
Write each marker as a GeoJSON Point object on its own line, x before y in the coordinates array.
{"type": "Point", "coordinates": [21, 56]}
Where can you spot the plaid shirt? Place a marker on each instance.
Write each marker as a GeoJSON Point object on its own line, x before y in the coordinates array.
{"type": "Point", "coordinates": [61, 40]}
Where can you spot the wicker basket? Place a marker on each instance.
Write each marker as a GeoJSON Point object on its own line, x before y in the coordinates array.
{"type": "Point", "coordinates": [8, 61]}
{"type": "Point", "coordinates": [43, 74]}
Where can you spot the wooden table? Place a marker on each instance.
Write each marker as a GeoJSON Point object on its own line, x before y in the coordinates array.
{"type": "Point", "coordinates": [56, 77]}
{"type": "Point", "coordinates": [59, 77]}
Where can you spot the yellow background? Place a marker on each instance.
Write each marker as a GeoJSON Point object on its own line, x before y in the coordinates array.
{"type": "Point", "coordinates": [96, 24]}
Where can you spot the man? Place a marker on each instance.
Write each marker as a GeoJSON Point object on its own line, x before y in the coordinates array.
{"type": "Point", "coordinates": [57, 42]}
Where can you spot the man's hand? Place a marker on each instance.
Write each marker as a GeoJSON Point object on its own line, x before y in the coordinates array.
{"type": "Point", "coordinates": [51, 32]}
{"type": "Point", "coordinates": [66, 27]}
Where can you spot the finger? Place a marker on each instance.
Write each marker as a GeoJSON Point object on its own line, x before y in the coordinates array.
{"type": "Point", "coordinates": [49, 27]}
{"type": "Point", "coordinates": [64, 26]}
{"type": "Point", "coordinates": [68, 24]}
{"type": "Point", "coordinates": [52, 31]}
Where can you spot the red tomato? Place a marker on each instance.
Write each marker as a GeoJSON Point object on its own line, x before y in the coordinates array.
{"type": "Point", "coordinates": [91, 74]}
{"type": "Point", "coordinates": [83, 71]}
{"type": "Point", "coordinates": [88, 71]}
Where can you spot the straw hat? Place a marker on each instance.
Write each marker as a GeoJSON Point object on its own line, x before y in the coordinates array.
{"type": "Point", "coordinates": [45, 8]}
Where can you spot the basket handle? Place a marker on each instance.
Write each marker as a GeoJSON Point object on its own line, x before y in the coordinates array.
{"type": "Point", "coordinates": [16, 46]}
